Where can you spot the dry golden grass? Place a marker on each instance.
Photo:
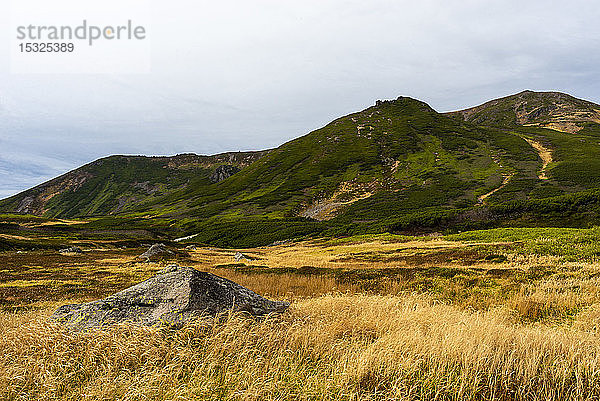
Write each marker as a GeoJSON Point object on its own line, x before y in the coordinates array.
{"type": "Point", "coordinates": [389, 320]}
{"type": "Point", "coordinates": [286, 286]}
{"type": "Point", "coordinates": [327, 348]}
{"type": "Point", "coordinates": [371, 254]}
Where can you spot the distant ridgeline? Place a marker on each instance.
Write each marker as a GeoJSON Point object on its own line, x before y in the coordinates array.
{"type": "Point", "coordinates": [531, 159]}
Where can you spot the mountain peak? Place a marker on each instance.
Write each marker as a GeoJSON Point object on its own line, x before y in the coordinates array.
{"type": "Point", "coordinates": [554, 110]}
{"type": "Point", "coordinates": [395, 157]}
{"type": "Point", "coordinates": [405, 104]}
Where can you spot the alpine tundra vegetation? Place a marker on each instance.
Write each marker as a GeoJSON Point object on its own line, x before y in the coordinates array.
{"type": "Point", "coordinates": [395, 253]}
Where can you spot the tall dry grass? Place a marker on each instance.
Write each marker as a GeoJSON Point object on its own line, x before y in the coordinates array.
{"type": "Point", "coordinates": [327, 348]}
{"type": "Point", "coordinates": [368, 254]}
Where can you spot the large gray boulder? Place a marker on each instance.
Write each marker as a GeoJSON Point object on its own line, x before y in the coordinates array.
{"type": "Point", "coordinates": [173, 297]}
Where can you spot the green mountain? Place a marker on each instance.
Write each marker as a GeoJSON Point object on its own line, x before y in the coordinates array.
{"type": "Point", "coordinates": [384, 165]}
{"type": "Point", "coordinates": [553, 110]}
{"type": "Point", "coordinates": [115, 184]}
{"type": "Point", "coordinates": [395, 156]}
{"type": "Point", "coordinates": [563, 129]}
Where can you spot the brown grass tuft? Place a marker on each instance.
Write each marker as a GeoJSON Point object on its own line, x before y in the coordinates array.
{"type": "Point", "coordinates": [331, 347]}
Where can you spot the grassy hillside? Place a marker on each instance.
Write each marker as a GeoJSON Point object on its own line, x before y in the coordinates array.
{"type": "Point", "coordinates": [506, 314]}
{"type": "Point", "coordinates": [395, 156]}
{"type": "Point", "coordinates": [396, 166]}
{"type": "Point", "coordinates": [553, 110]}
{"type": "Point", "coordinates": [400, 154]}
{"type": "Point", "coordinates": [567, 127]}
{"type": "Point", "coordinates": [115, 184]}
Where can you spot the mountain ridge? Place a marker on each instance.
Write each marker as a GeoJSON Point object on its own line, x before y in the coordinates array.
{"type": "Point", "coordinates": [395, 157]}
{"type": "Point", "coordinates": [553, 110]}
{"type": "Point", "coordinates": [34, 200]}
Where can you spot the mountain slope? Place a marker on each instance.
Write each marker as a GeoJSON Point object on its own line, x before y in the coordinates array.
{"type": "Point", "coordinates": [564, 130]}
{"type": "Point", "coordinates": [392, 159]}
{"type": "Point", "coordinates": [114, 184]}
{"type": "Point", "coordinates": [553, 110]}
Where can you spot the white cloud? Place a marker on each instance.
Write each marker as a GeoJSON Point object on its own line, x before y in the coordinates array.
{"type": "Point", "coordinates": [236, 75]}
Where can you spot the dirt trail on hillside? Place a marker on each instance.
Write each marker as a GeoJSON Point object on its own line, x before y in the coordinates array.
{"type": "Point", "coordinates": [327, 209]}
{"type": "Point", "coordinates": [507, 177]}
{"type": "Point", "coordinates": [544, 153]}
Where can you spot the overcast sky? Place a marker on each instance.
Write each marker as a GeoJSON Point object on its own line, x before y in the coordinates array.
{"type": "Point", "coordinates": [247, 75]}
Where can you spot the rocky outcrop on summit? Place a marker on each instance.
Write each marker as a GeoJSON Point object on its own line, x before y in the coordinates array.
{"type": "Point", "coordinates": [173, 297]}
{"type": "Point", "coordinates": [223, 172]}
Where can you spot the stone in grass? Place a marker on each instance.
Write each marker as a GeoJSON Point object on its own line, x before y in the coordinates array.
{"type": "Point", "coordinates": [172, 297]}
{"type": "Point", "coordinates": [156, 252]}
{"type": "Point", "coordinates": [72, 249]}
{"type": "Point", "coordinates": [240, 256]}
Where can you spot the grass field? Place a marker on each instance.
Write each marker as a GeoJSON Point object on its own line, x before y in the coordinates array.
{"type": "Point", "coordinates": [503, 314]}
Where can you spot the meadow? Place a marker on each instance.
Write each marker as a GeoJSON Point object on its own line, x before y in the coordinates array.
{"type": "Point", "coordinates": [501, 314]}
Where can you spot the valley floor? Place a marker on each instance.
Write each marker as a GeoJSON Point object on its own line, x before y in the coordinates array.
{"type": "Point", "coordinates": [506, 314]}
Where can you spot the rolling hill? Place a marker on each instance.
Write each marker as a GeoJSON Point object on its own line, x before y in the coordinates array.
{"type": "Point", "coordinates": [553, 110]}
{"type": "Point", "coordinates": [567, 129]}
{"type": "Point", "coordinates": [395, 156]}
{"type": "Point", "coordinates": [113, 184]}
{"type": "Point", "coordinates": [383, 165]}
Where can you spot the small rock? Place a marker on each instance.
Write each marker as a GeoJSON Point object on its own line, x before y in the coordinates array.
{"type": "Point", "coordinates": [240, 256]}
{"type": "Point", "coordinates": [173, 297]}
{"type": "Point", "coordinates": [72, 249]}
{"type": "Point", "coordinates": [281, 242]}
{"type": "Point", "coordinates": [156, 252]}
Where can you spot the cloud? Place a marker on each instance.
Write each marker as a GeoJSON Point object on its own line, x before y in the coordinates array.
{"type": "Point", "coordinates": [239, 75]}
